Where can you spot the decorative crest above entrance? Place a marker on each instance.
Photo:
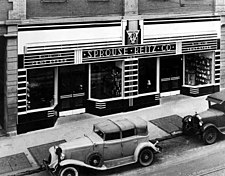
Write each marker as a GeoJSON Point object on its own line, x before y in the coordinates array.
{"type": "Point", "coordinates": [133, 35]}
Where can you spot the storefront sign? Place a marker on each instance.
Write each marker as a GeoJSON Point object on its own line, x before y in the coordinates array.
{"type": "Point", "coordinates": [192, 46]}
{"type": "Point", "coordinates": [48, 59]}
{"type": "Point", "coordinates": [130, 50]}
{"type": "Point", "coordinates": [44, 62]}
{"type": "Point", "coordinates": [199, 48]}
{"type": "Point", "coordinates": [86, 55]}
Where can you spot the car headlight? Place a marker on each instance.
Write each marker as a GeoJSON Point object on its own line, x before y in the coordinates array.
{"type": "Point", "coordinates": [199, 117]}
{"type": "Point", "coordinates": [62, 156]}
{"type": "Point", "coordinates": [59, 153]}
{"type": "Point", "coordinates": [200, 123]}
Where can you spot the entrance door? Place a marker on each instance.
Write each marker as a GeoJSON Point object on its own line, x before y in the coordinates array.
{"type": "Point", "coordinates": [170, 73]}
{"type": "Point", "coordinates": [72, 87]}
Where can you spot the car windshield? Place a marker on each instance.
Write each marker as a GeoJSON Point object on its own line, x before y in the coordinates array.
{"type": "Point", "coordinates": [98, 132]}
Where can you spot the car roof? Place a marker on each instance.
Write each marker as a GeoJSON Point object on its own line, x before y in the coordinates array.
{"type": "Point", "coordinates": [107, 126]}
{"type": "Point", "coordinates": [218, 97]}
{"type": "Point", "coordinates": [116, 124]}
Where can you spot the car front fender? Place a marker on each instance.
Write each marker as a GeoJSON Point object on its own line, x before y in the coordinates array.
{"type": "Point", "coordinates": [144, 145]}
{"type": "Point", "coordinates": [79, 163]}
{"type": "Point", "coordinates": [186, 118]}
{"type": "Point", "coordinates": [208, 125]}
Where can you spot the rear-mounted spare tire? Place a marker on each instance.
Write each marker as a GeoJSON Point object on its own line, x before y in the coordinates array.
{"type": "Point", "coordinates": [95, 159]}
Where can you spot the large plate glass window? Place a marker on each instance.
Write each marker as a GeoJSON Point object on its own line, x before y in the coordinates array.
{"type": "Point", "coordinates": [106, 80]}
{"type": "Point", "coordinates": [40, 88]}
{"type": "Point", "coordinates": [198, 69]}
{"type": "Point", "coordinates": [147, 75]}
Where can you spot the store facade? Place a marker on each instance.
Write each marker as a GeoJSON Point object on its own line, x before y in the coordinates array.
{"type": "Point", "coordinates": [112, 66]}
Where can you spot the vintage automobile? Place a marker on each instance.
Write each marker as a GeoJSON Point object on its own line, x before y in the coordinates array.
{"type": "Point", "coordinates": [210, 123]}
{"type": "Point", "coordinates": [113, 142]}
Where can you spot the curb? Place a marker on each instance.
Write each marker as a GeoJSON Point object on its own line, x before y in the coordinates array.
{"type": "Point", "coordinates": [170, 136]}
{"type": "Point", "coordinates": [27, 172]}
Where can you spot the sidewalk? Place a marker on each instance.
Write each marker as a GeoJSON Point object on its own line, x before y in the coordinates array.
{"type": "Point", "coordinates": [24, 153]}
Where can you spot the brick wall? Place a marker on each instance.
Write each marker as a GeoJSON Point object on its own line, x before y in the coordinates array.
{"type": "Point", "coordinates": [10, 89]}
{"type": "Point", "coordinates": [74, 8]}
{"type": "Point", "coordinates": [18, 11]}
{"type": "Point", "coordinates": [130, 7]}
{"type": "Point", "coordinates": [220, 6]}
{"type": "Point", "coordinates": [174, 7]}
{"type": "Point", "coordinates": [220, 9]}
{"type": "Point", "coordinates": [222, 54]}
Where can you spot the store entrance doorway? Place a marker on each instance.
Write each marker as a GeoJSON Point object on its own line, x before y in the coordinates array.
{"type": "Point", "coordinates": [72, 88]}
{"type": "Point", "coordinates": [170, 73]}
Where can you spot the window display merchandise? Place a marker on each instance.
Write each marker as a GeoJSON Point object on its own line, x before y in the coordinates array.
{"type": "Point", "coordinates": [198, 69]}
{"type": "Point", "coordinates": [106, 80]}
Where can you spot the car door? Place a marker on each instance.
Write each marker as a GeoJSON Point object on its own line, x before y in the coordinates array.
{"type": "Point", "coordinates": [129, 142]}
{"type": "Point", "coordinates": [221, 122]}
{"type": "Point", "coordinates": [129, 145]}
{"type": "Point", "coordinates": [112, 146]}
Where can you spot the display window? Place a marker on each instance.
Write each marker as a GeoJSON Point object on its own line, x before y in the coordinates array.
{"type": "Point", "coordinates": [147, 75]}
{"type": "Point", "coordinates": [106, 80]}
{"type": "Point", "coordinates": [198, 69]}
{"type": "Point", "coordinates": [40, 88]}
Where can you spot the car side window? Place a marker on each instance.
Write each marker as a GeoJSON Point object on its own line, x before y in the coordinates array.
{"type": "Point", "coordinates": [112, 136]}
{"type": "Point", "coordinates": [128, 133]}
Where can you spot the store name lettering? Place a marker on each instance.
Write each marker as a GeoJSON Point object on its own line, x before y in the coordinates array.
{"type": "Point", "coordinates": [46, 56]}
{"type": "Point", "coordinates": [130, 50]}
{"type": "Point", "coordinates": [52, 61]}
{"type": "Point", "coordinates": [199, 48]}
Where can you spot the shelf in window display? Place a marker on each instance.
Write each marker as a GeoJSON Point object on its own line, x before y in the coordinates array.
{"type": "Point", "coordinates": [203, 67]}
{"type": "Point", "coordinates": [206, 72]}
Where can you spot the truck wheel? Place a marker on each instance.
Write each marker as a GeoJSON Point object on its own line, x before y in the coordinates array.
{"type": "Point", "coordinates": [68, 171]}
{"type": "Point", "coordinates": [146, 157]}
{"type": "Point", "coordinates": [210, 136]}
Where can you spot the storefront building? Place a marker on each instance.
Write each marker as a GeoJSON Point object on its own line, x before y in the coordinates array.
{"type": "Point", "coordinates": [113, 66]}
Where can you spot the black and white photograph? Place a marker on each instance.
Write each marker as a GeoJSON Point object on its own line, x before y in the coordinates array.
{"type": "Point", "coordinates": [112, 87]}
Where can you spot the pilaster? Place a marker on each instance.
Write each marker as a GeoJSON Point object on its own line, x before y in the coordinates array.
{"type": "Point", "coordinates": [130, 7]}
{"type": "Point", "coordinates": [222, 55]}
{"type": "Point", "coordinates": [11, 70]}
{"type": "Point", "coordinates": [18, 11]}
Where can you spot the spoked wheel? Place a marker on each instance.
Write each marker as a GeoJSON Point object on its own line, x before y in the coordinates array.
{"type": "Point", "coordinates": [210, 136]}
{"type": "Point", "coordinates": [146, 157]}
{"type": "Point", "coordinates": [69, 171]}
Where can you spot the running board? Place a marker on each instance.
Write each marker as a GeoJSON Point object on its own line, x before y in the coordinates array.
{"type": "Point", "coordinates": [119, 162]}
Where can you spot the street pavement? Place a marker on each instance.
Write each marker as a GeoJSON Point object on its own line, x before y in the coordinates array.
{"type": "Point", "coordinates": [24, 153]}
